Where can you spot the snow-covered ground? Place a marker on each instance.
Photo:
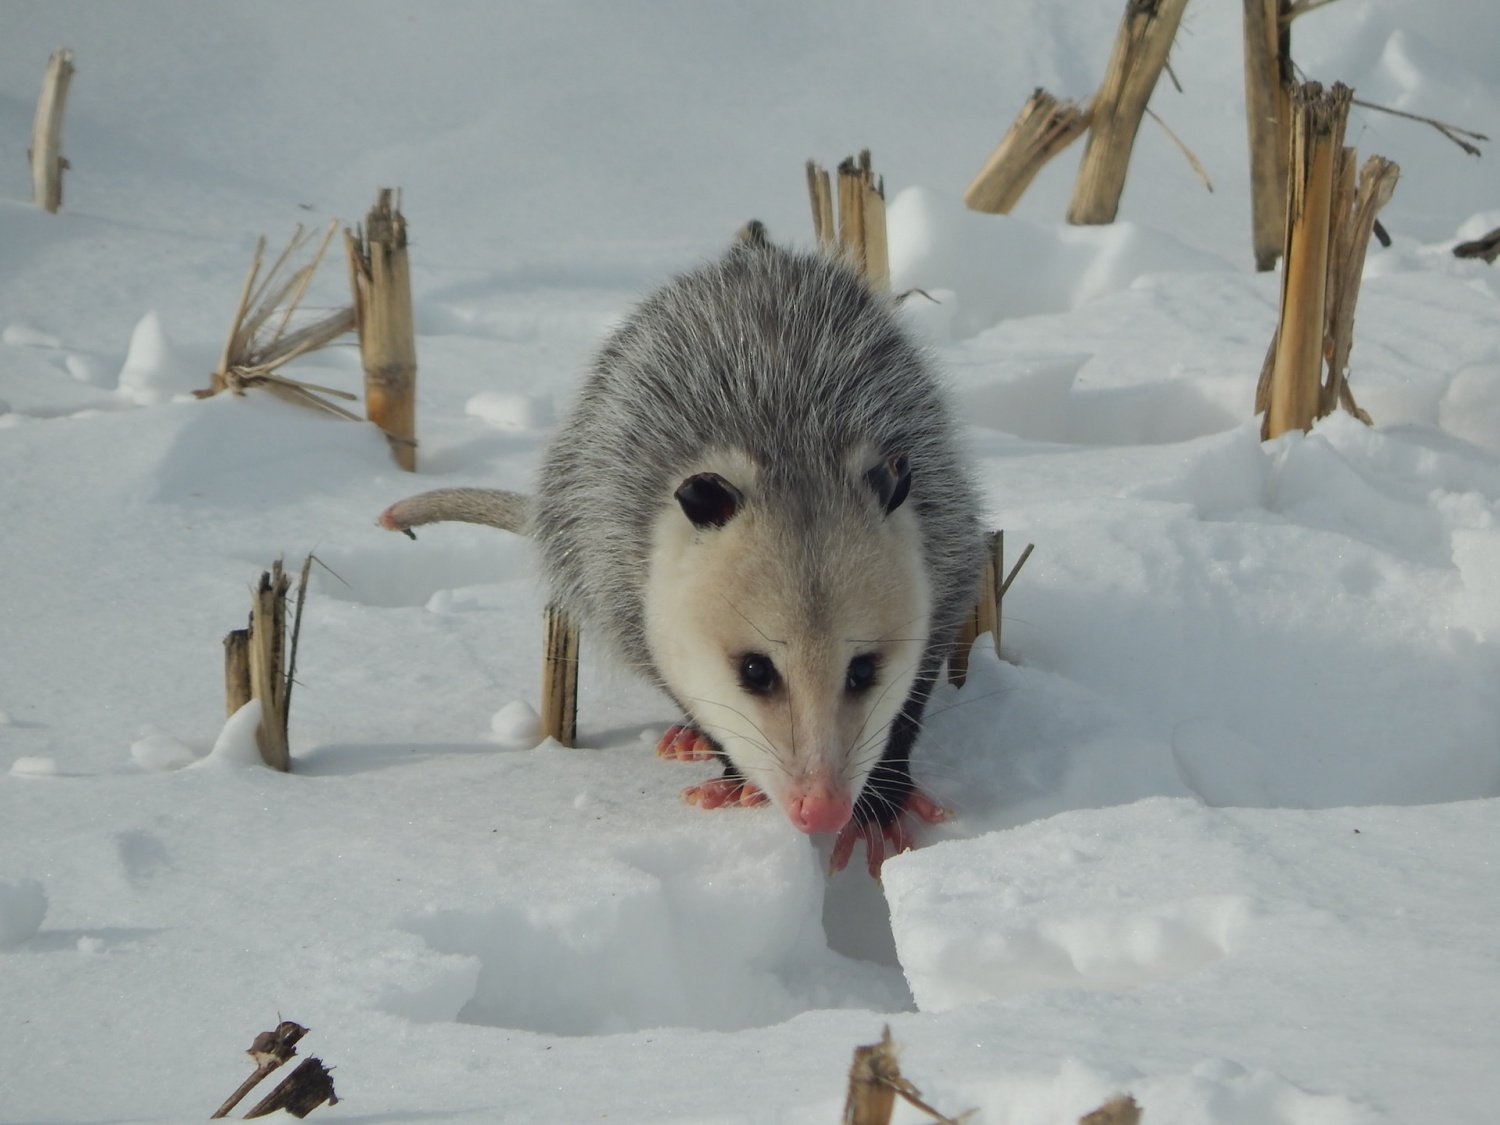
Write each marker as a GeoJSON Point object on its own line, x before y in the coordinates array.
{"type": "Point", "coordinates": [1228, 818]}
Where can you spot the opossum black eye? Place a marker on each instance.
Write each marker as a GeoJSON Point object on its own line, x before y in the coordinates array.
{"type": "Point", "coordinates": [757, 674]}
{"type": "Point", "coordinates": [708, 500]}
{"type": "Point", "coordinates": [861, 675]}
{"type": "Point", "coordinates": [891, 481]}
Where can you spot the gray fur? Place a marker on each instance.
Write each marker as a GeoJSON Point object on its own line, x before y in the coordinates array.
{"type": "Point", "coordinates": [791, 360]}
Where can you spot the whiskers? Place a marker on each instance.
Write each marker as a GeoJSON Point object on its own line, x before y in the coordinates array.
{"type": "Point", "coordinates": [764, 743]}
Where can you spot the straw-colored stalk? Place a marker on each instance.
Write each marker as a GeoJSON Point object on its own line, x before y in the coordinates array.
{"type": "Point", "coordinates": [855, 228]}
{"type": "Point", "coordinates": [381, 280]}
{"type": "Point", "coordinates": [47, 163]}
{"type": "Point", "coordinates": [1317, 248]}
{"type": "Point", "coordinates": [820, 195]}
{"type": "Point", "coordinates": [876, 1081]}
{"type": "Point", "coordinates": [1268, 80]}
{"type": "Point", "coordinates": [1354, 222]}
{"type": "Point", "coordinates": [1139, 56]}
{"type": "Point", "coordinates": [1044, 127]}
{"type": "Point", "coordinates": [988, 606]}
{"type": "Point", "coordinates": [260, 662]}
{"type": "Point", "coordinates": [559, 677]}
{"type": "Point", "coordinates": [861, 220]}
{"type": "Point", "coordinates": [267, 660]}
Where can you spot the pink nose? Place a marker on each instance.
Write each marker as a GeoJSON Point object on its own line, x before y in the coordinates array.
{"type": "Point", "coordinates": [817, 808]}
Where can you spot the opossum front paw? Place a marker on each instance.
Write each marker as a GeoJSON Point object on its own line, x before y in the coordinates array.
{"type": "Point", "coordinates": [723, 791]}
{"type": "Point", "coordinates": [896, 833]}
{"type": "Point", "coordinates": [686, 744]}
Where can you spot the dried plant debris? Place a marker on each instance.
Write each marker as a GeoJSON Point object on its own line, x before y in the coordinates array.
{"type": "Point", "coordinates": [1121, 1109]}
{"type": "Point", "coordinates": [1487, 247]}
{"type": "Point", "coordinates": [300, 1092]}
{"type": "Point", "coordinates": [875, 1082]}
{"type": "Point", "coordinates": [271, 328]}
{"type": "Point", "coordinates": [268, 1051]}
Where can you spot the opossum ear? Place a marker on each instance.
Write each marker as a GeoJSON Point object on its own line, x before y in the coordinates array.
{"type": "Point", "coordinates": [708, 500]}
{"type": "Point", "coordinates": [891, 481]}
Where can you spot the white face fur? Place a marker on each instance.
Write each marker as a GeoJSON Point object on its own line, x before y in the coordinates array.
{"type": "Point", "coordinates": [794, 658]}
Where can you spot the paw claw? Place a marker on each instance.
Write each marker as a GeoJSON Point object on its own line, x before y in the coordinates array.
{"type": "Point", "coordinates": [723, 791]}
{"type": "Point", "coordinates": [683, 743]}
{"type": "Point", "coordinates": [896, 834]}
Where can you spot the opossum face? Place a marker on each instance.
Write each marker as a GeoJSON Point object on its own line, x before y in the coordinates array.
{"type": "Point", "coordinates": [790, 628]}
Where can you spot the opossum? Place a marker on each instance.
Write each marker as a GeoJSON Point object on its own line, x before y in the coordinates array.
{"type": "Point", "coordinates": [759, 502]}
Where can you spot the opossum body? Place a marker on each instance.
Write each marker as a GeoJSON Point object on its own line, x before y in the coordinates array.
{"type": "Point", "coordinates": [759, 502]}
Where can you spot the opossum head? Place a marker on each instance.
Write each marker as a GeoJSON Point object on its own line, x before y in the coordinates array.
{"type": "Point", "coordinates": [789, 621]}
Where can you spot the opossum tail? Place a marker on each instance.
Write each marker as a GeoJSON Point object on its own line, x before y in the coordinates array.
{"type": "Point", "coordinates": [491, 506]}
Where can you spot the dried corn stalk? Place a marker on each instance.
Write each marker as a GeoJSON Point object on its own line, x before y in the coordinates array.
{"type": "Point", "coordinates": [1043, 128]}
{"type": "Point", "coordinates": [262, 336]}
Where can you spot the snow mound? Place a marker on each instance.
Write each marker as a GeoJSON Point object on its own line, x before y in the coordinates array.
{"type": "Point", "coordinates": [1146, 895]}
{"type": "Point", "coordinates": [21, 335]}
{"type": "Point", "coordinates": [154, 372]}
{"type": "Point", "coordinates": [237, 747]}
{"type": "Point", "coordinates": [517, 725]}
{"type": "Point", "coordinates": [1000, 266]}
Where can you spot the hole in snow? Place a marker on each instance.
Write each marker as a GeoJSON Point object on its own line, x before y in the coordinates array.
{"type": "Point", "coordinates": [670, 938]}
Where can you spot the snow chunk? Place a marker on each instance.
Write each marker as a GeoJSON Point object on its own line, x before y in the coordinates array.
{"type": "Point", "coordinates": [236, 745]}
{"type": "Point", "coordinates": [25, 336]}
{"type": "Point", "coordinates": [86, 369]}
{"type": "Point", "coordinates": [34, 767]}
{"type": "Point", "coordinates": [153, 372]}
{"type": "Point", "coordinates": [515, 412]}
{"type": "Point", "coordinates": [517, 726]}
{"type": "Point", "coordinates": [23, 905]}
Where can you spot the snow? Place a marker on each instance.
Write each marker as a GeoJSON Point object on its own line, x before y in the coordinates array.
{"type": "Point", "coordinates": [1225, 818]}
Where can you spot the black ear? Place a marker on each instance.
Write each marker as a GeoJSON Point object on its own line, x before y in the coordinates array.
{"type": "Point", "coordinates": [708, 500]}
{"type": "Point", "coordinates": [890, 480]}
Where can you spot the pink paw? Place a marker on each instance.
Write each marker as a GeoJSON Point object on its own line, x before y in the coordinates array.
{"type": "Point", "coordinates": [722, 792]}
{"type": "Point", "coordinates": [897, 834]}
{"type": "Point", "coordinates": [684, 744]}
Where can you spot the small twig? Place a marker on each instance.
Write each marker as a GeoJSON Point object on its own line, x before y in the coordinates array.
{"type": "Point", "coordinates": [227, 358]}
{"type": "Point", "coordinates": [1452, 132]}
{"type": "Point", "coordinates": [1192, 160]}
{"type": "Point", "coordinates": [900, 298]}
{"type": "Point", "coordinates": [1015, 570]}
{"type": "Point", "coordinates": [1172, 74]}
{"type": "Point", "coordinates": [269, 1050]}
{"type": "Point", "coordinates": [263, 301]}
{"type": "Point", "coordinates": [251, 374]}
{"type": "Point", "coordinates": [305, 277]}
{"type": "Point", "coordinates": [1301, 8]}
{"type": "Point", "coordinates": [291, 656]}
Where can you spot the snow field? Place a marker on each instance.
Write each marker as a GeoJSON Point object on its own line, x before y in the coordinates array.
{"type": "Point", "coordinates": [1224, 828]}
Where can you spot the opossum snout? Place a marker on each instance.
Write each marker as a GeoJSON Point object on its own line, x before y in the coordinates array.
{"type": "Point", "coordinates": [818, 807]}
